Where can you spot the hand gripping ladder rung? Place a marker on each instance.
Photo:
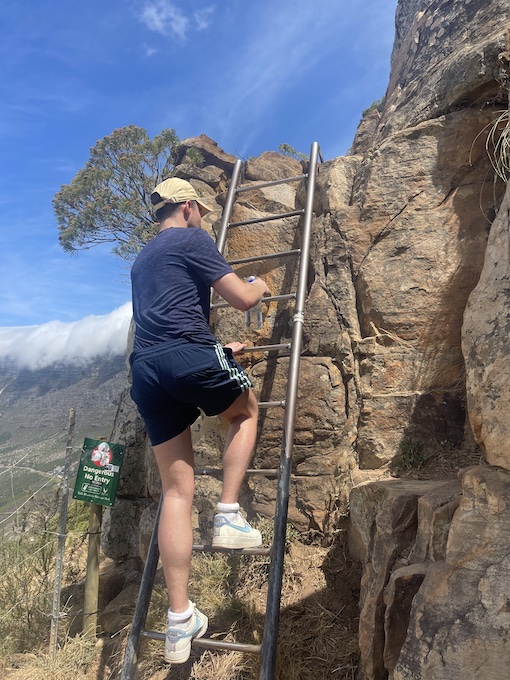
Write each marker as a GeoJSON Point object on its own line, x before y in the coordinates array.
{"type": "Point", "coordinates": [269, 642]}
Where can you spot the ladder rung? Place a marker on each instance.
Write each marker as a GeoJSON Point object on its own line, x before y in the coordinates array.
{"type": "Point", "coordinates": [153, 635]}
{"type": "Point", "coordinates": [272, 183]}
{"type": "Point", "coordinates": [276, 298]}
{"type": "Point", "coordinates": [207, 643]}
{"type": "Point", "coordinates": [231, 551]}
{"type": "Point", "coordinates": [218, 472]}
{"type": "Point", "coordinates": [271, 256]}
{"type": "Point", "coordinates": [271, 404]}
{"type": "Point", "coordinates": [265, 472]}
{"type": "Point", "coordinates": [265, 348]}
{"type": "Point", "coordinates": [271, 298]}
{"type": "Point", "coordinates": [267, 218]}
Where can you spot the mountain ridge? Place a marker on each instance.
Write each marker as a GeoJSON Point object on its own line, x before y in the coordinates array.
{"type": "Point", "coordinates": [34, 411]}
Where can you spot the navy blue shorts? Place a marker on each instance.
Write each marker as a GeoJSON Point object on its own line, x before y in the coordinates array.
{"type": "Point", "coordinates": [172, 381]}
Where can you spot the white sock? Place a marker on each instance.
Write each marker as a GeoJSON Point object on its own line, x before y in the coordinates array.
{"type": "Point", "coordinates": [179, 617]}
{"type": "Point", "coordinates": [229, 510]}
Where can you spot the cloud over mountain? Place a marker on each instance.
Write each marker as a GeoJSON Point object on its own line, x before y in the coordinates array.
{"type": "Point", "coordinates": [76, 342]}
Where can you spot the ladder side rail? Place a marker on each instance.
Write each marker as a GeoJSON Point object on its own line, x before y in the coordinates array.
{"type": "Point", "coordinates": [142, 603]}
{"type": "Point", "coordinates": [269, 643]}
{"type": "Point", "coordinates": [229, 204]}
{"type": "Point", "coordinates": [225, 217]}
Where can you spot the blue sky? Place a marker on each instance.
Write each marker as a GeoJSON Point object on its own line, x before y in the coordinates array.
{"type": "Point", "coordinates": [251, 75]}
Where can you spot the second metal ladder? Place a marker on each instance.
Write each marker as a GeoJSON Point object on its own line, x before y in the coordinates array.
{"type": "Point", "coordinates": [268, 648]}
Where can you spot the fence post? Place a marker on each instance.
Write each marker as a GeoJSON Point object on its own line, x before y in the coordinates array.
{"type": "Point", "coordinates": [62, 531]}
{"type": "Point", "coordinates": [91, 596]}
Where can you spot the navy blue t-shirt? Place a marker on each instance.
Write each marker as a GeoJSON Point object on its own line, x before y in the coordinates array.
{"type": "Point", "coordinates": [171, 280]}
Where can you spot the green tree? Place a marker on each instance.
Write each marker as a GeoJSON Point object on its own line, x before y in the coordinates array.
{"type": "Point", "coordinates": [108, 201]}
{"type": "Point", "coordinates": [288, 150]}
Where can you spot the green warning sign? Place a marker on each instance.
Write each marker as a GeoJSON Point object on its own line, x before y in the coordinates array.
{"type": "Point", "coordinates": [99, 471]}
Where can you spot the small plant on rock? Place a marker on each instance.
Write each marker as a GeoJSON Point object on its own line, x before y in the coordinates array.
{"type": "Point", "coordinates": [412, 455]}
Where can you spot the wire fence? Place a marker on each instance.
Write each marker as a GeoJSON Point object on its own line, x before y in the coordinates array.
{"type": "Point", "coordinates": [30, 540]}
{"type": "Point", "coordinates": [15, 512]}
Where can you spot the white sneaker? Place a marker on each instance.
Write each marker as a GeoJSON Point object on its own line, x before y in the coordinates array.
{"type": "Point", "coordinates": [179, 637]}
{"type": "Point", "coordinates": [234, 533]}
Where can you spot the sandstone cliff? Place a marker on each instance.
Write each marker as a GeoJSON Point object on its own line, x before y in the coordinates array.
{"type": "Point", "coordinates": [433, 599]}
{"type": "Point", "coordinates": [399, 246]}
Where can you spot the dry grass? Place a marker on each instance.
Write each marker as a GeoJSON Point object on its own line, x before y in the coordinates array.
{"type": "Point", "coordinates": [27, 576]}
{"type": "Point", "coordinates": [318, 623]}
{"type": "Point", "coordinates": [314, 643]}
{"type": "Point", "coordinates": [317, 635]}
{"type": "Point", "coordinates": [433, 461]}
{"type": "Point", "coordinates": [497, 144]}
{"type": "Point", "coordinates": [71, 660]}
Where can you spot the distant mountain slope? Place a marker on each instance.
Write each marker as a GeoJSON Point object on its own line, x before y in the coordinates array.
{"type": "Point", "coordinates": [34, 408]}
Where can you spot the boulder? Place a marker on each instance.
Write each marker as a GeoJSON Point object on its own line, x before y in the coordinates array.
{"type": "Point", "coordinates": [118, 613]}
{"type": "Point", "coordinates": [384, 518]}
{"type": "Point", "coordinates": [402, 586]}
{"type": "Point", "coordinates": [210, 151]}
{"type": "Point", "coordinates": [435, 513]}
{"type": "Point", "coordinates": [485, 345]}
{"type": "Point", "coordinates": [210, 174]}
{"type": "Point", "coordinates": [120, 528]}
{"type": "Point", "coordinates": [416, 255]}
{"type": "Point", "coordinates": [460, 616]}
{"type": "Point", "coordinates": [270, 166]}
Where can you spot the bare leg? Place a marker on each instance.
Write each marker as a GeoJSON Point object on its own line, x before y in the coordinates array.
{"type": "Point", "coordinates": [242, 416]}
{"type": "Point", "coordinates": [175, 462]}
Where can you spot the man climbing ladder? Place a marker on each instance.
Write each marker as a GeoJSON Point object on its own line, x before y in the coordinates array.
{"type": "Point", "coordinates": [238, 294]}
{"type": "Point", "coordinates": [178, 367]}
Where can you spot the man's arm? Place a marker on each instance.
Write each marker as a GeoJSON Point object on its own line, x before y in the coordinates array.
{"type": "Point", "coordinates": [238, 293]}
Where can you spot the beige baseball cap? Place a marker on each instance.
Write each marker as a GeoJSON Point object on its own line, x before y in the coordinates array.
{"type": "Point", "coordinates": [176, 190]}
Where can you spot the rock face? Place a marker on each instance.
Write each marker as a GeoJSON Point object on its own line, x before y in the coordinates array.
{"type": "Point", "coordinates": [396, 526]}
{"type": "Point", "coordinates": [432, 605]}
{"type": "Point", "coordinates": [460, 616]}
{"type": "Point", "coordinates": [400, 244]}
{"type": "Point", "coordinates": [446, 56]}
{"type": "Point", "coordinates": [485, 341]}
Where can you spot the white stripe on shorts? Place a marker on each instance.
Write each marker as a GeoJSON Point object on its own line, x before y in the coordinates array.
{"type": "Point", "coordinates": [239, 376]}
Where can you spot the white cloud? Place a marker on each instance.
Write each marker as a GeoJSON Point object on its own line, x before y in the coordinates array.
{"type": "Point", "coordinates": [203, 18]}
{"type": "Point", "coordinates": [149, 51]}
{"type": "Point", "coordinates": [166, 18]}
{"type": "Point", "coordinates": [76, 342]}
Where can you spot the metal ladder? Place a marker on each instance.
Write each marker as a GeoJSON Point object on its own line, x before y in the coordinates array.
{"type": "Point", "coordinates": [267, 649]}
